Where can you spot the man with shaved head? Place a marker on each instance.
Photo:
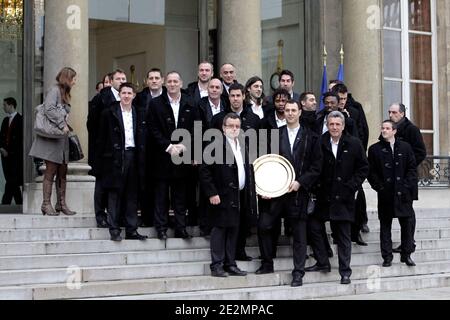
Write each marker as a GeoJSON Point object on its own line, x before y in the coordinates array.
{"type": "Point", "coordinates": [168, 112]}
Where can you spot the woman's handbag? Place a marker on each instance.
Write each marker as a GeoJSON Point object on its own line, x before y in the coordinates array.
{"type": "Point", "coordinates": [75, 151]}
{"type": "Point", "coordinates": [44, 127]}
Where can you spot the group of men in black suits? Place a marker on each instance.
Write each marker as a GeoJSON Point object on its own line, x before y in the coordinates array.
{"type": "Point", "coordinates": [135, 142]}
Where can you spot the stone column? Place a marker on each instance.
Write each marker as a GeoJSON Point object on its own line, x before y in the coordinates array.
{"type": "Point", "coordinates": [363, 58]}
{"type": "Point", "coordinates": [67, 45]}
{"type": "Point", "coordinates": [240, 36]}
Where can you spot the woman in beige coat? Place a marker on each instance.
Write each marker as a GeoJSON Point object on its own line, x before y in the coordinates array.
{"type": "Point", "coordinates": [55, 152]}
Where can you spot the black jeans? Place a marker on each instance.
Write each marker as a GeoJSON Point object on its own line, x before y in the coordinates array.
{"type": "Point", "coordinates": [407, 237]}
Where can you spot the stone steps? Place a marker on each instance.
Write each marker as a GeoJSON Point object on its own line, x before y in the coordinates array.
{"type": "Point", "coordinates": [168, 287]}
{"type": "Point", "coordinates": [283, 291]}
{"type": "Point", "coordinates": [136, 266]}
{"type": "Point", "coordinates": [63, 234]}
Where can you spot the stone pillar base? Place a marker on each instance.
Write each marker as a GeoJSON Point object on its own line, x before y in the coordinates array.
{"type": "Point", "coordinates": [79, 193]}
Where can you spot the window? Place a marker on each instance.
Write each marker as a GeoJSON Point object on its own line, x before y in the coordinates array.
{"type": "Point", "coordinates": [409, 51]}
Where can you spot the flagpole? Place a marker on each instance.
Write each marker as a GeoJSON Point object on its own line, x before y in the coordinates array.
{"type": "Point", "coordinates": [342, 54]}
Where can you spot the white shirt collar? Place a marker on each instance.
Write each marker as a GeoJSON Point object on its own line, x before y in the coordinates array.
{"type": "Point", "coordinates": [157, 95]}
{"type": "Point", "coordinates": [115, 93]}
{"type": "Point", "coordinates": [174, 101]}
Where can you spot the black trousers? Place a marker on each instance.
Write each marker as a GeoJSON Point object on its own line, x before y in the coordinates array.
{"type": "Point", "coordinates": [124, 200]}
{"type": "Point", "coordinates": [360, 213]}
{"type": "Point", "coordinates": [407, 237]}
{"type": "Point", "coordinates": [100, 201]}
{"type": "Point", "coordinates": [268, 226]}
{"type": "Point", "coordinates": [146, 200]}
{"type": "Point", "coordinates": [341, 231]}
{"type": "Point", "coordinates": [264, 207]}
{"type": "Point", "coordinates": [12, 185]}
{"type": "Point", "coordinates": [177, 189]}
{"type": "Point", "coordinates": [203, 220]}
{"type": "Point", "coordinates": [192, 205]}
{"type": "Point", "coordinates": [244, 228]}
{"type": "Point", "coordinates": [223, 247]}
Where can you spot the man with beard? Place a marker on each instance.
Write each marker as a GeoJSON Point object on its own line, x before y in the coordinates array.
{"type": "Point", "coordinates": [199, 89]}
{"type": "Point", "coordinates": [254, 96]}
{"type": "Point", "coordinates": [309, 107]}
{"type": "Point", "coordinates": [101, 102]}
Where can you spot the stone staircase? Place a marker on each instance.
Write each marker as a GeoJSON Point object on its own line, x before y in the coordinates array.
{"type": "Point", "coordinates": [66, 258]}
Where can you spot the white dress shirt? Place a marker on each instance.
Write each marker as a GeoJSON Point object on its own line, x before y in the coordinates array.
{"type": "Point", "coordinates": [156, 95]}
{"type": "Point", "coordinates": [175, 104]}
{"type": "Point", "coordinates": [127, 117]}
{"type": "Point", "coordinates": [258, 110]}
{"type": "Point", "coordinates": [203, 93]}
{"type": "Point", "coordinates": [115, 93]}
{"type": "Point", "coordinates": [334, 147]}
{"type": "Point", "coordinates": [280, 123]}
{"type": "Point", "coordinates": [324, 128]}
{"type": "Point", "coordinates": [11, 117]}
{"type": "Point", "coordinates": [236, 148]}
{"type": "Point", "coordinates": [215, 110]}
{"type": "Point", "coordinates": [292, 133]}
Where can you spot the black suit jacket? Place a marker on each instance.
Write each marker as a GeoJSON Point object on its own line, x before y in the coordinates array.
{"type": "Point", "coordinates": [340, 178]}
{"type": "Point", "coordinates": [205, 112]}
{"type": "Point", "coordinates": [110, 146]}
{"type": "Point", "coordinates": [11, 139]}
{"type": "Point", "coordinates": [100, 102]}
{"type": "Point", "coordinates": [306, 158]}
{"type": "Point", "coordinates": [161, 122]}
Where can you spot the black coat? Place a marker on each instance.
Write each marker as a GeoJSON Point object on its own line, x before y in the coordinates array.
{"type": "Point", "coordinates": [205, 112]}
{"type": "Point", "coordinates": [223, 180]}
{"type": "Point", "coordinates": [358, 115]}
{"type": "Point", "coordinates": [161, 122]}
{"type": "Point", "coordinates": [340, 178]}
{"type": "Point", "coordinates": [408, 132]}
{"type": "Point", "coordinates": [306, 159]}
{"type": "Point", "coordinates": [100, 102]}
{"type": "Point", "coordinates": [308, 120]}
{"type": "Point", "coordinates": [394, 178]}
{"type": "Point", "coordinates": [12, 141]}
{"type": "Point", "coordinates": [248, 118]}
{"type": "Point", "coordinates": [144, 98]}
{"type": "Point", "coordinates": [194, 92]}
{"type": "Point", "coordinates": [110, 146]}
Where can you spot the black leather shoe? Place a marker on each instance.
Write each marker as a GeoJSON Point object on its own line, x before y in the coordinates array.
{"type": "Point", "coordinates": [244, 258]}
{"type": "Point", "coordinates": [297, 281]}
{"type": "Point", "coordinates": [387, 263]}
{"type": "Point", "coordinates": [264, 270]}
{"type": "Point", "coordinates": [345, 280]}
{"type": "Point", "coordinates": [398, 249]}
{"type": "Point", "coordinates": [407, 259]}
{"type": "Point", "coordinates": [316, 267]}
{"type": "Point", "coordinates": [102, 224]}
{"type": "Point", "coordinates": [162, 235]}
{"type": "Point", "coordinates": [220, 273]}
{"type": "Point", "coordinates": [135, 236]}
{"type": "Point", "coordinates": [116, 237]}
{"type": "Point", "coordinates": [182, 234]}
{"type": "Point", "coordinates": [235, 271]}
{"type": "Point", "coordinates": [365, 228]}
{"type": "Point", "coordinates": [360, 242]}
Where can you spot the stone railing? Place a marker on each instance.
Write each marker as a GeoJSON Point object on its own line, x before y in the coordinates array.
{"type": "Point", "coordinates": [434, 172]}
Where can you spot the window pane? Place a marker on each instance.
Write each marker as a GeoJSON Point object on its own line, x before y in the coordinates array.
{"type": "Point", "coordinates": [392, 54]}
{"type": "Point", "coordinates": [420, 15]}
{"type": "Point", "coordinates": [392, 17]}
{"type": "Point", "coordinates": [392, 94]}
{"type": "Point", "coordinates": [422, 105]}
{"type": "Point", "coordinates": [421, 67]}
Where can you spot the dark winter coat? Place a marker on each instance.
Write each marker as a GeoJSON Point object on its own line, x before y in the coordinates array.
{"type": "Point", "coordinates": [205, 112]}
{"type": "Point", "coordinates": [223, 180]}
{"type": "Point", "coordinates": [350, 126]}
{"type": "Point", "coordinates": [306, 158]}
{"type": "Point", "coordinates": [11, 139]}
{"type": "Point", "coordinates": [393, 177]}
{"type": "Point", "coordinates": [110, 146]}
{"type": "Point", "coordinates": [408, 132]}
{"type": "Point", "coordinates": [359, 117]}
{"type": "Point", "coordinates": [340, 178]}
